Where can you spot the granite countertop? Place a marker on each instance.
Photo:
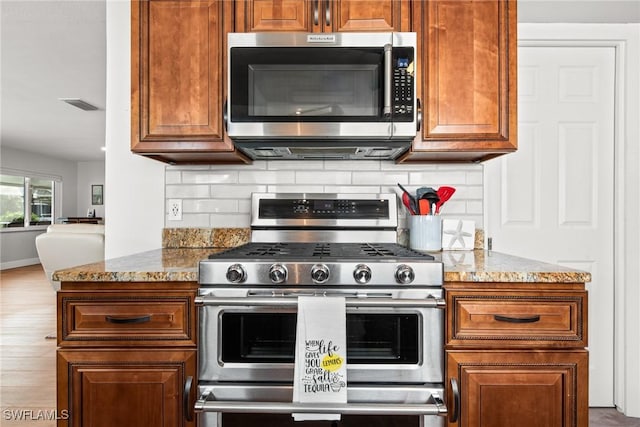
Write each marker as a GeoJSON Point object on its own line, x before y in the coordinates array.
{"type": "Point", "coordinates": [181, 265]}
{"type": "Point", "coordinates": [490, 266]}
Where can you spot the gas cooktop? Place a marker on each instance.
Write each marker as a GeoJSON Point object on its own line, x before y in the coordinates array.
{"type": "Point", "coordinates": [296, 251]}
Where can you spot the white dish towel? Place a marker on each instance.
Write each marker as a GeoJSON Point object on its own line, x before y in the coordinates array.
{"type": "Point", "coordinates": [320, 373]}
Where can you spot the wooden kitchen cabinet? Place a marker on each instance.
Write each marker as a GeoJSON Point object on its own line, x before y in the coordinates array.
{"type": "Point", "coordinates": [126, 354]}
{"type": "Point", "coordinates": [466, 80]}
{"type": "Point", "coordinates": [178, 81]}
{"type": "Point", "coordinates": [517, 353]}
{"type": "Point", "coordinates": [142, 388]}
{"type": "Point", "coordinates": [323, 15]}
{"type": "Point", "coordinates": [143, 318]}
{"type": "Point", "coordinates": [523, 388]}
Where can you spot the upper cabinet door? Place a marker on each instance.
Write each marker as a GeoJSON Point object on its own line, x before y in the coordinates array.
{"type": "Point", "coordinates": [177, 90]}
{"type": "Point", "coordinates": [276, 15]}
{"type": "Point", "coordinates": [322, 15]}
{"type": "Point", "coordinates": [368, 15]}
{"type": "Point", "coordinates": [467, 79]}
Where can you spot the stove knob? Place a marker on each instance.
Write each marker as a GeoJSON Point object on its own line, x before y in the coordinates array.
{"type": "Point", "coordinates": [319, 273]}
{"type": "Point", "coordinates": [362, 274]}
{"type": "Point", "coordinates": [236, 273]}
{"type": "Point", "coordinates": [404, 274]}
{"type": "Point", "coordinates": [278, 273]}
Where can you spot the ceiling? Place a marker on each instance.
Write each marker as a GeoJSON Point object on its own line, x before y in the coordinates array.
{"type": "Point", "coordinates": [53, 49]}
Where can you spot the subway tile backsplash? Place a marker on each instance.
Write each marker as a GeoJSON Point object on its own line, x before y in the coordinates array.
{"type": "Point", "coordinates": [218, 196]}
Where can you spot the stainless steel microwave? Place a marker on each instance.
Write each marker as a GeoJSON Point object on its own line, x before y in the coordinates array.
{"type": "Point", "coordinates": [329, 95]}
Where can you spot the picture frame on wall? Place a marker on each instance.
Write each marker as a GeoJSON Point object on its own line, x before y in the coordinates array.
{"type": "Point", "coordinates": [96, 195]}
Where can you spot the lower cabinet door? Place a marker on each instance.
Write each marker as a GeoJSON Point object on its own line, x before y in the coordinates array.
{"type": "Point", "coordinates": [128, 388]}
{"type": "Point", "coordinates": [518, 388]}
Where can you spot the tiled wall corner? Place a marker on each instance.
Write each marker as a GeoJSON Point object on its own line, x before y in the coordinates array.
{"type": "Point", "coordinates": [219, 196]}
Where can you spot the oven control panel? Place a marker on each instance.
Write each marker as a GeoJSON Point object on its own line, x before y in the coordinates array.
{"type": "Point", "coordinates": [307, 273]}
{"type": "Point", "coordinates": [323, 209]}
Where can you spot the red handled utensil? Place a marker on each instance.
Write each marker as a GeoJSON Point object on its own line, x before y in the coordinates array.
{"type": "Point", "coordinates": [412, 203]}
{"type": "Point", "coordinates": [444, 193]}
{"type": "Point", "coordinates": [406, 201]}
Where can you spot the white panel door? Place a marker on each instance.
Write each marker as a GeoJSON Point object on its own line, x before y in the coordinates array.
{"type": "Point", "coordinates": [552, 200]}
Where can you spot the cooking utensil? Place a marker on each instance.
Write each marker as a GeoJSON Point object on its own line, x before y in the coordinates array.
{"type": "Point", "coordinates": [444, 193]}
{"type": "Point", "coordinates": [427, 198]}
{"type": "Point", "coordinates": [422, 191]}
{"type": "Point", "coordinates": [413, 203]}
{"type": "Point", "coordinates": [406, 201]}
{"type": "Point", "coordinates": [423, 206]}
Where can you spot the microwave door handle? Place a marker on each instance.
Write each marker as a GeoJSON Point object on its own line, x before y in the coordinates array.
{"type": "Point", "coordinates": [386, 110]}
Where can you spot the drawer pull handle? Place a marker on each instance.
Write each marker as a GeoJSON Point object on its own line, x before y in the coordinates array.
{"type": "Point", "coordinates": [531, 319]}
{"type": "Point", "coordinates": [128, 320]}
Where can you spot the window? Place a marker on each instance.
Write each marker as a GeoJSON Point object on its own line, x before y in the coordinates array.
{"type": "Point", "coordinates": [25, 201]}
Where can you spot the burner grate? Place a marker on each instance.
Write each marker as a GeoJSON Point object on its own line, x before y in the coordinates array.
{"type": "Point", "coordinates": [325, 251]}
{"type": "Point", "coordinates": [376, 250]}
{"type": "Point", "coordinates": [321, 250]}
{"type": "Point", "coordinates": [267, 249]}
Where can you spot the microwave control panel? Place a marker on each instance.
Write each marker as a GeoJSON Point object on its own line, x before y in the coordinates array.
{"type": "Point", "coordinates": [403, 91]}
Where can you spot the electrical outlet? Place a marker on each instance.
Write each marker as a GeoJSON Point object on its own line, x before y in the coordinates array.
{"type": "Point", "coordinates": [175, 210]}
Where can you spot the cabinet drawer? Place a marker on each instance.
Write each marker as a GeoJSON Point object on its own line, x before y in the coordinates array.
{"type": "Point", "coordinates": [90, 320]}
{"type": "Point", "coordinates": [517, 320]}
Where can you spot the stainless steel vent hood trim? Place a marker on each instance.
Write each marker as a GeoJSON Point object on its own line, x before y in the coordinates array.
{"type": "Point", "coordinates": [378, 131]}
{"type": "Point", "coordinates": [323, 150]}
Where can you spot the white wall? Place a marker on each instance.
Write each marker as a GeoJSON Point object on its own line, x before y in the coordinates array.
{"type": "Point", "coordinates": [134, 186]}
{"type": "Point", "coordinates": [90, 173]}
{"type": "Point", "coordinates": [17, 247]}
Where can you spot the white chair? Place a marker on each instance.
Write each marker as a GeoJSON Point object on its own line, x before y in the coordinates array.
{"type": "Point", "coordinates": [69, 245]}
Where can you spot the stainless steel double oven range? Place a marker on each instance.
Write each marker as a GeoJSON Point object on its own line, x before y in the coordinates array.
{"type": "Point", "coordinates": [321, 244]}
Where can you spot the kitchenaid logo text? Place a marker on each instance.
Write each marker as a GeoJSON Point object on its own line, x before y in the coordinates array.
{"type": "Point", "coordinates": [34, 415]}
{"type": "Point", "coordinates": [321, 38]}
{"type": "Point", "coordinates": [321, 361]}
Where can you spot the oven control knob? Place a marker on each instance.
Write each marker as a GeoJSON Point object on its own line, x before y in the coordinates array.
{"type": "Point", "coordinates": [236, 273]}
{"type": "Point", "coordinates": [404, 274]}
{"type": "Point", "coordinates": [278, 273]}
{"type": "Point", "coordinates": [319, 273]}
{"type": "Point", "coordinates": [362, 274]}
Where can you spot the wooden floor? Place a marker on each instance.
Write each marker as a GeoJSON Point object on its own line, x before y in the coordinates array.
{"type": "Point", "coordinates": [27, 359]}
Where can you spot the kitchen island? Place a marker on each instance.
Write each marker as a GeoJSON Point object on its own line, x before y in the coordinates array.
{"type": "Point", "coordinates": [516, 329]}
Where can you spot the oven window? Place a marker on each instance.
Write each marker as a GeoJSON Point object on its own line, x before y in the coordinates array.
{"type": "Point", "coordinates": [306, 84]}
{"type": "Point", "coordinates": [372, 338]}
{"type": "Point", "coordinates": [258, 337]}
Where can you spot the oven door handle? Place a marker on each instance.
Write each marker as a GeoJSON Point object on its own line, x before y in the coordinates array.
{"type": "Point", "coordinates": [349, 302]}
{"type": "Point", "coordinates": [435, 406]}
